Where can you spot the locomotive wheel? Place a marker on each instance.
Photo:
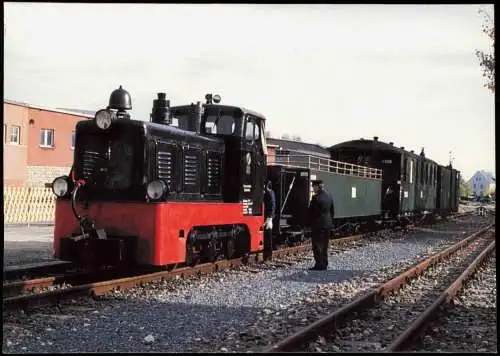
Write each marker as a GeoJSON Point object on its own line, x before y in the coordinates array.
{"type": "Point", "coordinates": [192, 257]}
{"type": "Point", "coordinates": [210, 251]}
{"type": "Point", "coordinates": [230, 248]}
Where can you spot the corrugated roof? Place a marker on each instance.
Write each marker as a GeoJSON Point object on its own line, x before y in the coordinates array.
{"type": "Point", "coordinates": [79, 111]}
{"type": "Point", "coordinates": [301, 147]}
{"type": "Point", "coordinates": [83, 113]}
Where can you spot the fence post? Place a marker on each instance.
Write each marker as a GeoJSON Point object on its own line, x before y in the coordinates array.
{"type": "Point", "coordinates": [29, 206]}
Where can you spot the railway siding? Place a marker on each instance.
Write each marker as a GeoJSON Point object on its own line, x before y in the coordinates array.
{"type": "Point", "coordinates": [469, 323]}
{"type": "Point", "coordinates": [230, 310]}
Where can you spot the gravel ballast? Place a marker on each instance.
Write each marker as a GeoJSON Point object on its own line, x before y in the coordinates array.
{"type": "Point", "coordinates": [376, 328]}
{"type": "Point", "coordinates": [231, 310]}
{"type": "Point", "coordinates": [470, 323]}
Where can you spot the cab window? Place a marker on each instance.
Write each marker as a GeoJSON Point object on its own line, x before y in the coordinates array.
{"type": "Point", "coordinates": [220, 125]}
{"type": "Point", "coordinates": [250, 128]}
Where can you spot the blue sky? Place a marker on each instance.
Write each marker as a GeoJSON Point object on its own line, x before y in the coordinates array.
{"type": "Point", "coordinates": [327, 73]}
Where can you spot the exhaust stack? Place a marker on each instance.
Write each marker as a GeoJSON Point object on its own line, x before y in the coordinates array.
{"type": "Point", "coordinates": [161, 110]}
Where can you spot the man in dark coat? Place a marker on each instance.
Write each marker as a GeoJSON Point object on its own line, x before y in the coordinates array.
{"type": "Point", "coordinates": [321, 214]}
{"type": "Point", "coordinates": [269, 212]}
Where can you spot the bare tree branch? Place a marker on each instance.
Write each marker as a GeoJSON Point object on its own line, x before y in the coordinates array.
{"type": "Point", "coordinates": [487, 60]}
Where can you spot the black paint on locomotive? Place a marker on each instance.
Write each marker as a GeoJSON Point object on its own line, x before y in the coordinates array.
{"type": "Point", "coordinates": [203, 159]}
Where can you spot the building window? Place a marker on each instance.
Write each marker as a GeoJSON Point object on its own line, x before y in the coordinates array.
{"type": "Point", "coordinates": [14, 134]}
{"type": "Point", "coordinates": [47, 137]}
{"type": "Point", "coordinates": [73, 135]}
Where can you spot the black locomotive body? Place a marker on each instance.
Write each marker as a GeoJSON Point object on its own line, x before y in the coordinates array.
{"type": "Point", "coordinates": [186, 186]}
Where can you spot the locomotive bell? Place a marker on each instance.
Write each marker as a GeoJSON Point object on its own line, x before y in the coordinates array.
{"type": "Point", "coordinates": [120, 99]}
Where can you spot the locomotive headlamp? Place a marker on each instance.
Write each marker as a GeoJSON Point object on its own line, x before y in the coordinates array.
{"type": "Point", "coordinates": [104, 118]}
{"type": "Point", "coordinates": [213, 98]}
{"type": "Point", "coordinates": [60, 186]}
{"type": "Point", "coordinates": [156, 189]}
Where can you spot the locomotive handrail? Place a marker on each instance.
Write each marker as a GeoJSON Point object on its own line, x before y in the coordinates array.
{"type": "Point", "coordinates": [327, 165]}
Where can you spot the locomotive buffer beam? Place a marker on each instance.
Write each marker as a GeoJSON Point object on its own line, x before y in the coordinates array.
{"type": "Point", "coordinates": [96, 247]}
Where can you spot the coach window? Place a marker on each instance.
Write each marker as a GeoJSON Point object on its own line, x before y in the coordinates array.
{"type": "Point", "coordinates": [73, 140]}
{"type": "Point", "coordinates": [405, 170]}
{"type": "Point", "coordinates": [411, 171]}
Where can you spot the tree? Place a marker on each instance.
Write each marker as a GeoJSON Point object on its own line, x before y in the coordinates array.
{"type": "Point", "coordinates": [465, 188]}
{"type": "Point", "coordinates": [297, 138]}
{"type": "Point", "coordinates": [267, 134]}
{"type": "Point", "coordinates": [487, 60]}
{"type": "Point", "coordinates": [285, 137]}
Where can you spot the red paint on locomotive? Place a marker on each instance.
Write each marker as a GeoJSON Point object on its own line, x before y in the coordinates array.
{"type": "Point", "coordinates": [157, 226]}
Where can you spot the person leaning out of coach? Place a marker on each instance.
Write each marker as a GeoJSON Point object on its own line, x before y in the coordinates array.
{"type": "Point", "coordinates": [269, 212]}
{"type": "Point", "coordinates": [320, 215]}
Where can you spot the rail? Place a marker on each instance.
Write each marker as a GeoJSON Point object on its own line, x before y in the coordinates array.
{"type": "Point", "coordinates": [15, 297]}
{"type": "Point", "coordinates": [329, 323]}
{"type": "Point", "coordinates": [326, 165]}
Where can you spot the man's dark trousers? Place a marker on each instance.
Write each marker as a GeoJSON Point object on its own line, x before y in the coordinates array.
{"type": "Point", "coordinates": [320, 239]}
{"type": "Point", "coordinates": [268, 244]}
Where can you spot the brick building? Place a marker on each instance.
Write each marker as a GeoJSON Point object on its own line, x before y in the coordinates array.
{"type": "Point", "coordinates": [38, 143]}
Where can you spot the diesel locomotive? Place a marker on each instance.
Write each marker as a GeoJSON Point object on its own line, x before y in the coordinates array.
{"type": "Point", "coordinates": [188, 186]}
{"type": "Point", "coordinates": [184, 187]}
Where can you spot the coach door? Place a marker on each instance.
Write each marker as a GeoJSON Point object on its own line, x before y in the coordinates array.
{"type": "Point", "coordinates": [254, 166]}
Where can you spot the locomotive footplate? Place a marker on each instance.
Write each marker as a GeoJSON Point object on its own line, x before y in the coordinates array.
{"type": "Point", "coordinates": [97, 248]}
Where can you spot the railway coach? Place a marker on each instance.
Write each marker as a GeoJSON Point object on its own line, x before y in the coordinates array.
{"type": "Point", "coordinates": [356, 191]}
{"type": "Point", "coordinates": [413, 185]}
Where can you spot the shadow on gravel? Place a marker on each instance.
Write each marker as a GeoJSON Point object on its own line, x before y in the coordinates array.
{"type": "Point", "coordinates": [128, 326]}
{"type": "Point", "coordinates": [322, 277]}
{"type": "Point", "coordinates": [19, 252]}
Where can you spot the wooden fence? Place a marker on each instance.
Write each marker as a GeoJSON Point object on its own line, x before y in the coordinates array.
{"type": "Point", "coordinates": [28, 205]}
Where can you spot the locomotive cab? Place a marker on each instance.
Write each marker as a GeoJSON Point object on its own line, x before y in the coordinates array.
{"type": "Point", "coordinates": [245, 147]}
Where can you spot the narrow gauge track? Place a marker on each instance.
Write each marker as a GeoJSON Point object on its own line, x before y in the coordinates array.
{"type": "Point", "coordinates": [48, 272]}
{"type": "Point", "coordinates": [36, 269]}
{"type": "Point", "coordinates": [102, 287]}
{"type": "Point", "coordinates": [74, 283]}
{"type": "Point", "coordinates": [474, 249]}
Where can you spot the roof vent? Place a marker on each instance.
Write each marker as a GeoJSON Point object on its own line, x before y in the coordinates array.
{"type": "Point", "coordinates": [391, 143]}
{"type": "Point", "coordinates": [412, 151]}
{"type": "Point", "coordinates": [402, 147]}
{"type": "Point", "coordinates": [375, 138]}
